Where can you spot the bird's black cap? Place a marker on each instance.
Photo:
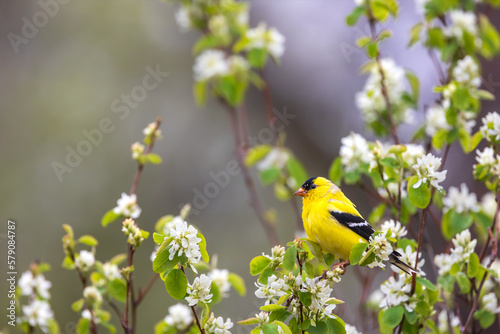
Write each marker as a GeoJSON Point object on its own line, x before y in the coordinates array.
{"type": "Point", "coordinates": [307, 185]}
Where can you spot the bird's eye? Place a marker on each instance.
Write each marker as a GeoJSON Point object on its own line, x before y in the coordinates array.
{"type": "Point", "coordinates": [313, 186]}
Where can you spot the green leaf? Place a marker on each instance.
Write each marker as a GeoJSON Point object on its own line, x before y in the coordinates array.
{"type": "Point", "coordinates": [109, 217]}
{"type": "Point", "coordinates": [78, 305]}
{"type": "Point", "coordinates": [411, 317]}
{"type": "Point", "coordinates": [176, 284]}
{"type": "Point", "coordinates": [320, 328]}
{"type": "Point", "coordinates": [463, 282]}
{"type": "Point", "coordinates": [268, 176]}
{"type": "Point", "coordinates": [88, 240]}
{"type": "Point", "coordinates": [473, 265]}
{"type": "Point", "coordinates": [270, 329]}
{"type": "Point", "coordinates": [372, 49]}
{"type": "Point", "coordinates": [249, 321]}
{"type": "Point", "coordinates": [357, 252]}
{"type": "Point", "coordinates": [414, 84]}
{"type": "Point", "coordinates": [257, 57]}
{"type": "Point", "coordinates": [393, 316]}
{"type": "Point", "coordinates": [204, 313]}
{"type": "Point", "coordinates": [377, 213]}
{"type": "Point", "coordinates": [421, 196]}
{"type": "Point", "coordinates": [118, 289]}
{"type": "Point", "coordinates": [151, 158]}
{"type": "Point", "coordinates": [258, 264]}
{"type": "Point", "coordinates": [256, 154]}
{"type": "Point", "coordinates": [203, 248]}
{"type": "Point", "coordinates": [296, 170]}
{"type": "Point", "coordinates": [237, 283]}
{"type": "Point", "coordinates": [271, 307]}
{"type": "Point", "coordinates": [435, 38]}
{"type": "Point", "coordinates": [285, 329]}
{"type": "Point", "coordinates": [336, 326]}
{"type": "Point", "coordinates": [83, 326]}
{"type": "Point", "coordinates": [336, 171]}
{"type": "Point", "coordinates": [454, 222]}
{"type": "Point", "coordinates": [415, 33]}
{"type": "Point", "coordinates": [354, 16]}
{"type": "Point", "coordinates": [264, 276]}
{"type": "Point", "coordinates": [490, 38]}
{"type": "Point", "coordinates": [461, 98]}
{"type": "Point", "coordinates": [289, 258]}
{"type": "Point", "coordinates": [362, 41]}
{"type": "Point", "coordinates": [486, 319]}
{"type": "Point", "coordinates": [305, 298]}
{"type": "Point", "coordinates": [427, 284]}
{"type": "Point", "coordinates": [161, 263]}
{"type": "Point", "coordinates": [158, 238]}
{"type": "Point", "coordinates": [69, 230]}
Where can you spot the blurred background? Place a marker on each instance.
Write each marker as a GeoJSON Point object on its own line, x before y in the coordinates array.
{"type": "Point", "coordinates": [66, 78]}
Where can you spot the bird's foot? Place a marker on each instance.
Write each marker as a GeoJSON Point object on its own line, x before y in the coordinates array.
{"type": "Point", "coordinates": [342, 265]}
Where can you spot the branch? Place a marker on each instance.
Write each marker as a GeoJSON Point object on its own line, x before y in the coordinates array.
{"type": "Point", "coordinates": [254, 199]}
{"type": "Point", "coordinates": [144, 292]}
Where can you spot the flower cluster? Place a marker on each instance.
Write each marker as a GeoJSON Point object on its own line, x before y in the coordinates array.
{"type": "Point", "coordinates": [467, 72]}
{"type": "Point", "coordinates": [435, 120]}
{"type": "Point", "coordinates": [127, 206]}
{"type": "Point", "coordinates": [354, 151]}
{"type": "Point", "coordinates": [462, 23]}
{"type": "Point", "coordinates": [199, 291]}
{"type": "Point", "coordinates": [427, 168]}
{"type": "Point", "coordinates": [150, 131]}
{"type": "Point", "coordinates": [275, 288]}
{"type": "Point", "coordinates": [460, 200]}
{"type": "Point", "coordinates": [276, 257]}
{"type": "Point", "coordinates": [397, 230]}
{"type": "Point", "coordinates": [220, 278]}
{"type": "Point", "coordinates": [491, 127]}
{"type": "Point", "coordinates": [133, 232]}
{"type": "Point", "coordinates": [85, 261]}
{"type": "Point", "coordinates": [270, 40]}
{"type": "Point", "coordinates": [277, 158]}
{"type": "Point", "coordinates": [409, 256]}
{"type": "Point", "coordinates": [37, 313]}
{"type": "Point", "coordinates": [371, 100]}
{"type": "Point", "coordinates": [444, 324]}
{"type": "Point", "coordinates": [185, 241]}
{"type": "Point", "coordinates": [396, 292]}
{"type": "Point", "coordinates": [381, 248]}
{"type": "Point", "coordinates": [179, 317]}
{"type": "Point", "coordinates": [320, 297]}
{"type": "Point", "coordinates": [463, 247]}
{"type": "Point", "coordinates": [137, 150]}
{"type": "Point", "coordinates": [217, 325]}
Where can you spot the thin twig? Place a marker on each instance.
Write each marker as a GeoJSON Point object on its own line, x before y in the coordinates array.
{"type": "Point", "coordinates": [143, 292]}
{"type": "Point", "coordinates": [268, 102]}
{"type": "Point", "coordinates": [254, 198]}
{"type": "Point", "coordinates": [300, 302]}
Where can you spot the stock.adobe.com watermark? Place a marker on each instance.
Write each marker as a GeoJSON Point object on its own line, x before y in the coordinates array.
{"type": "Point", "coordinates": [120, 109]}
{"type": "Point", "coordinates": [31, 26]}
{"type": "Point", "coordinates": [221, 179]}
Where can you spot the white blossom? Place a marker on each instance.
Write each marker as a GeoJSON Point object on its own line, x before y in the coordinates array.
{"type": "Point", "coordinates": [371, 99]}
{"type": "Point", "coordinates": [133, 232]}
{"type": "Point", "coordinates": [491, 127]}
{"type": "Point", "coordinates": [409, 256]}
{"type": "Point", "coordinates": [218, 25]}
{"type": "Point", "coordinates": [427, 170]}
{"type": "Point", "coordinates": [92, 295]}
{"type": "Point", "coordinates": [199, 291]}
{"type": "Point", "coordinates": [463, 246]}
{"type": "Point", "coordinates": [467, 72]}
{"type": "Point", "coordinates": [137, 150]}
{"type": "Point", "coordinates": [461, 22]}
{"type": "Point", "coordinates": [38, 313]}
{"type": "Point", "coordinates": [185, 241]}
{"type": "Point", "coordinates": [397, 230]}
{"type": "Point", "coordinates": [269, 39]}
{"type": "Point", "coordinates": [275, 287]}
{"type": "Point", "coordinates": [444, 263]}
{"type": "Point", "coordinates": [443, 325]}
{"type": "Point", "coordinates": [86, 314]}
{"type": "Point", "coordinates": [413, 151]}
{"type": "Point", "coordinates": [277, 158]}
{"type": "Point", "coordinates": [217, 325]}
{"type": "Point", "coordinates": [127, 206]}
{"type": "Point", "coordinates": [382, 248]}
{"type": "Point", "coordinates": [486, 157]}
{"type": "Point", "coordinates": [209, 64]}
{"type": "Point", "coordinates": [435, 120]}
{"type": "Point", "coordinates": [350, 329]}
{"type": "Point", "coordinates": [150, 129]}
{"type": "Point", "coordinates": [354, 151]}
{"type": "Point", "coordinates": [489, 204]}
{"type": "Point", "coordinates": [30, 284]}
{"type": "Point", "coordinates": [85, 260]}
{"type": "Point", "coordinates": [396, 293]}
{"type": "Point", "coordinates": [111, 271]}
{"type": "Point", "coordinates": [375, 298]}
{"type": "Point", "coordinates": [460, 200]}
{"type": "Point", "coordinates": [320, 296]}
{"type": "Point", "coordinates": [220, 277]}
{"type": "Point", "coordinates": [237, 64]}
{"type": "Point", "coordinates": [490, 303]}
{"type": "Point", "coordinates": [179, 316]}
{"type": "Point", "coordinates": [182, 19]}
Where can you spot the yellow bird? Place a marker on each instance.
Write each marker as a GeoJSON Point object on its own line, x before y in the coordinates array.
{"type": "Point", "coordinates": [331, 220]}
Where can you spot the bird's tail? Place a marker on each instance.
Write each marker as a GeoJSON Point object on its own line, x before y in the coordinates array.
{"type": "Point", "coordinates": [394, 259]}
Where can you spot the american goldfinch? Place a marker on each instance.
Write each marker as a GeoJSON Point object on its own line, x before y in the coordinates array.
{"type": "Point", "coordinates": [331, 220]}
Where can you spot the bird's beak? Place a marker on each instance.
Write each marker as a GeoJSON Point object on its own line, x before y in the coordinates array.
{"type": "Point", "coordinates": [301, 192]}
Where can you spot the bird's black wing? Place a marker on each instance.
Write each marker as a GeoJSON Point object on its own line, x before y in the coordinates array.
{"type": "Point", "coordinates": [355, 223]}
